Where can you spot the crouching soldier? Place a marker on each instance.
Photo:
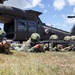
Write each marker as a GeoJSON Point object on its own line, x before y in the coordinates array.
{"type": "Point", "coordinates": [4, 46]}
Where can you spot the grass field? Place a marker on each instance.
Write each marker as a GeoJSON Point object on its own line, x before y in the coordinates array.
{"type": "Point", "coordinates": [48, 63]}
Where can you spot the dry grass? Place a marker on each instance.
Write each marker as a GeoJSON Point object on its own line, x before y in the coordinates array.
{"type": "Point", "coordinates": [49, 63]}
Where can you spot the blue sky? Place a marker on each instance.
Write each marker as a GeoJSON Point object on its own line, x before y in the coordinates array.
{"type": "Point", "coordinates": [54, 12]}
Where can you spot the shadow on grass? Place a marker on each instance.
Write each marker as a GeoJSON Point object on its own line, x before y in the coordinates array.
{"type": "Point", "coordinates": [10, 53]}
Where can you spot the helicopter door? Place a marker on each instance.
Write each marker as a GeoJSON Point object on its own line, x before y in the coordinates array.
{"type": "Point", "coordinates": [9, 29]}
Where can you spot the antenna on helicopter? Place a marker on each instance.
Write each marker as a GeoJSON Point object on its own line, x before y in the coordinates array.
{"type": "Point", "coordinates": [1, 1]}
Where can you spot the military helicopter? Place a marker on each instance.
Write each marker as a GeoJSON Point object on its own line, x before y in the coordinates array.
{"type": "Point", "coordinates": [20, 24]}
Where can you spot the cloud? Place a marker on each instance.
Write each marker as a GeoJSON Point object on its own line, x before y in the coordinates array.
{"type": "Point", "coordinates": [48, 24]}
{"type": "Point", "coordinates": [68, 20]}
{"type": "Point", "coordinates": [45, 11]}
{"type": "Point", "coordinates": [64, 16]}
{"type": "Point", "coordinates": [60, 25]}
{"type": "Point", "coordinates": [41, 5]}
{"type": "Point", "coordinates": [74, 10]}
{"type": "Point", "coordinates": [22, 3]}
{"type": "Point", "coordinates": [71, 2]}
{"type": "Point", "coordinates": [54, 16]}
{"type": "Point", "coordinates": [48, 5]}
{"type": "Point", "coordinates": [59, 4]}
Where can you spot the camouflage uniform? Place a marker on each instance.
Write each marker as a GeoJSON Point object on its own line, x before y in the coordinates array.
{"type": "Point", "coordinates": [73, 45]}
{"type": "Point", "coordinates": [52, 46]}
{"type": "Point", "coordinates": [18, 47]}
{"type": "Point", "coordinates": [59, 47]}
{"type": "Point", "coordinates": [68, 46]}
{"type": "Point", "coordinates": [29, 45]}
{"type": "Point", "coordinates": [54, 38]}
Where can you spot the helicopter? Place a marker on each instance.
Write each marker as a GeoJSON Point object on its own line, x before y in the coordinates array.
{"type": "Point", "coordinates": [20, 24]}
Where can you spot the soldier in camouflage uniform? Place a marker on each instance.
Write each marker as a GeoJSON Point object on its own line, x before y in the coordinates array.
{"type": "Point", "coordinates": [73, 38]}
{"type": "Point", "coordinates": [73, 45]}
{"type": "Point", "coordinates": [31, 46]}
{"type": "Point", "coordinates": [67, 38]}
{"type": "Point", "coordinates": [4, 46]}
{"type": "Point", "coordinates": [67, 47]}
{"type": "Point", "coordinates": [54, 37]}
{"type": "Point", "coordinates": [52, 45]}
{"type": "Point", "coordinates": [55, 47]}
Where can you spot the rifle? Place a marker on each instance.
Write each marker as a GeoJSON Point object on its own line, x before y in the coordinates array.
{"type": "Point", "coordinates": [41, 42]}
{"type": "Point", "coordinates": [52, 42]}
{"type": "Point", "coordinates": [70, 45]}
{"type": "Point", "coordinates": [61, 42]}
{"type": "Point", "coordinates": [55, 42]}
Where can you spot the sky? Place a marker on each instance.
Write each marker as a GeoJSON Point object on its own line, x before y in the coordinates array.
{"type": "Point", "coordinates": [54, 12]}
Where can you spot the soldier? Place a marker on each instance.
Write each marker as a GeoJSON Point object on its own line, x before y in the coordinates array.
{"type": "Point", "coordinates": [73, 38]}
{"type": "Point", "coordinates": [52, 45]}
{"type": "Point", "coordinates": [73, 44]}
{"type": "Point", "coordinates": [67, 47]}
{"type": "Point", "coordinates": [67, 38]}
{"type": "Point", "coordinates": [4, 46]}
{"type": "Point", "coordinates": [54, 38]}
{"type": "Point", "coordinates": [31, 45]}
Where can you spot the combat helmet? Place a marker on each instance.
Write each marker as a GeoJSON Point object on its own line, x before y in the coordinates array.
{"type": "Point", "coordinates": [35, 37]}
{"type": "Point", "coordinates": [2, 34]}
{"type": "Point", "coordinates": [54, 37]}
{"type": "Point", "coordinates": [73, 37]}
{"type": "Point", "coordinates": [67, 38]}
